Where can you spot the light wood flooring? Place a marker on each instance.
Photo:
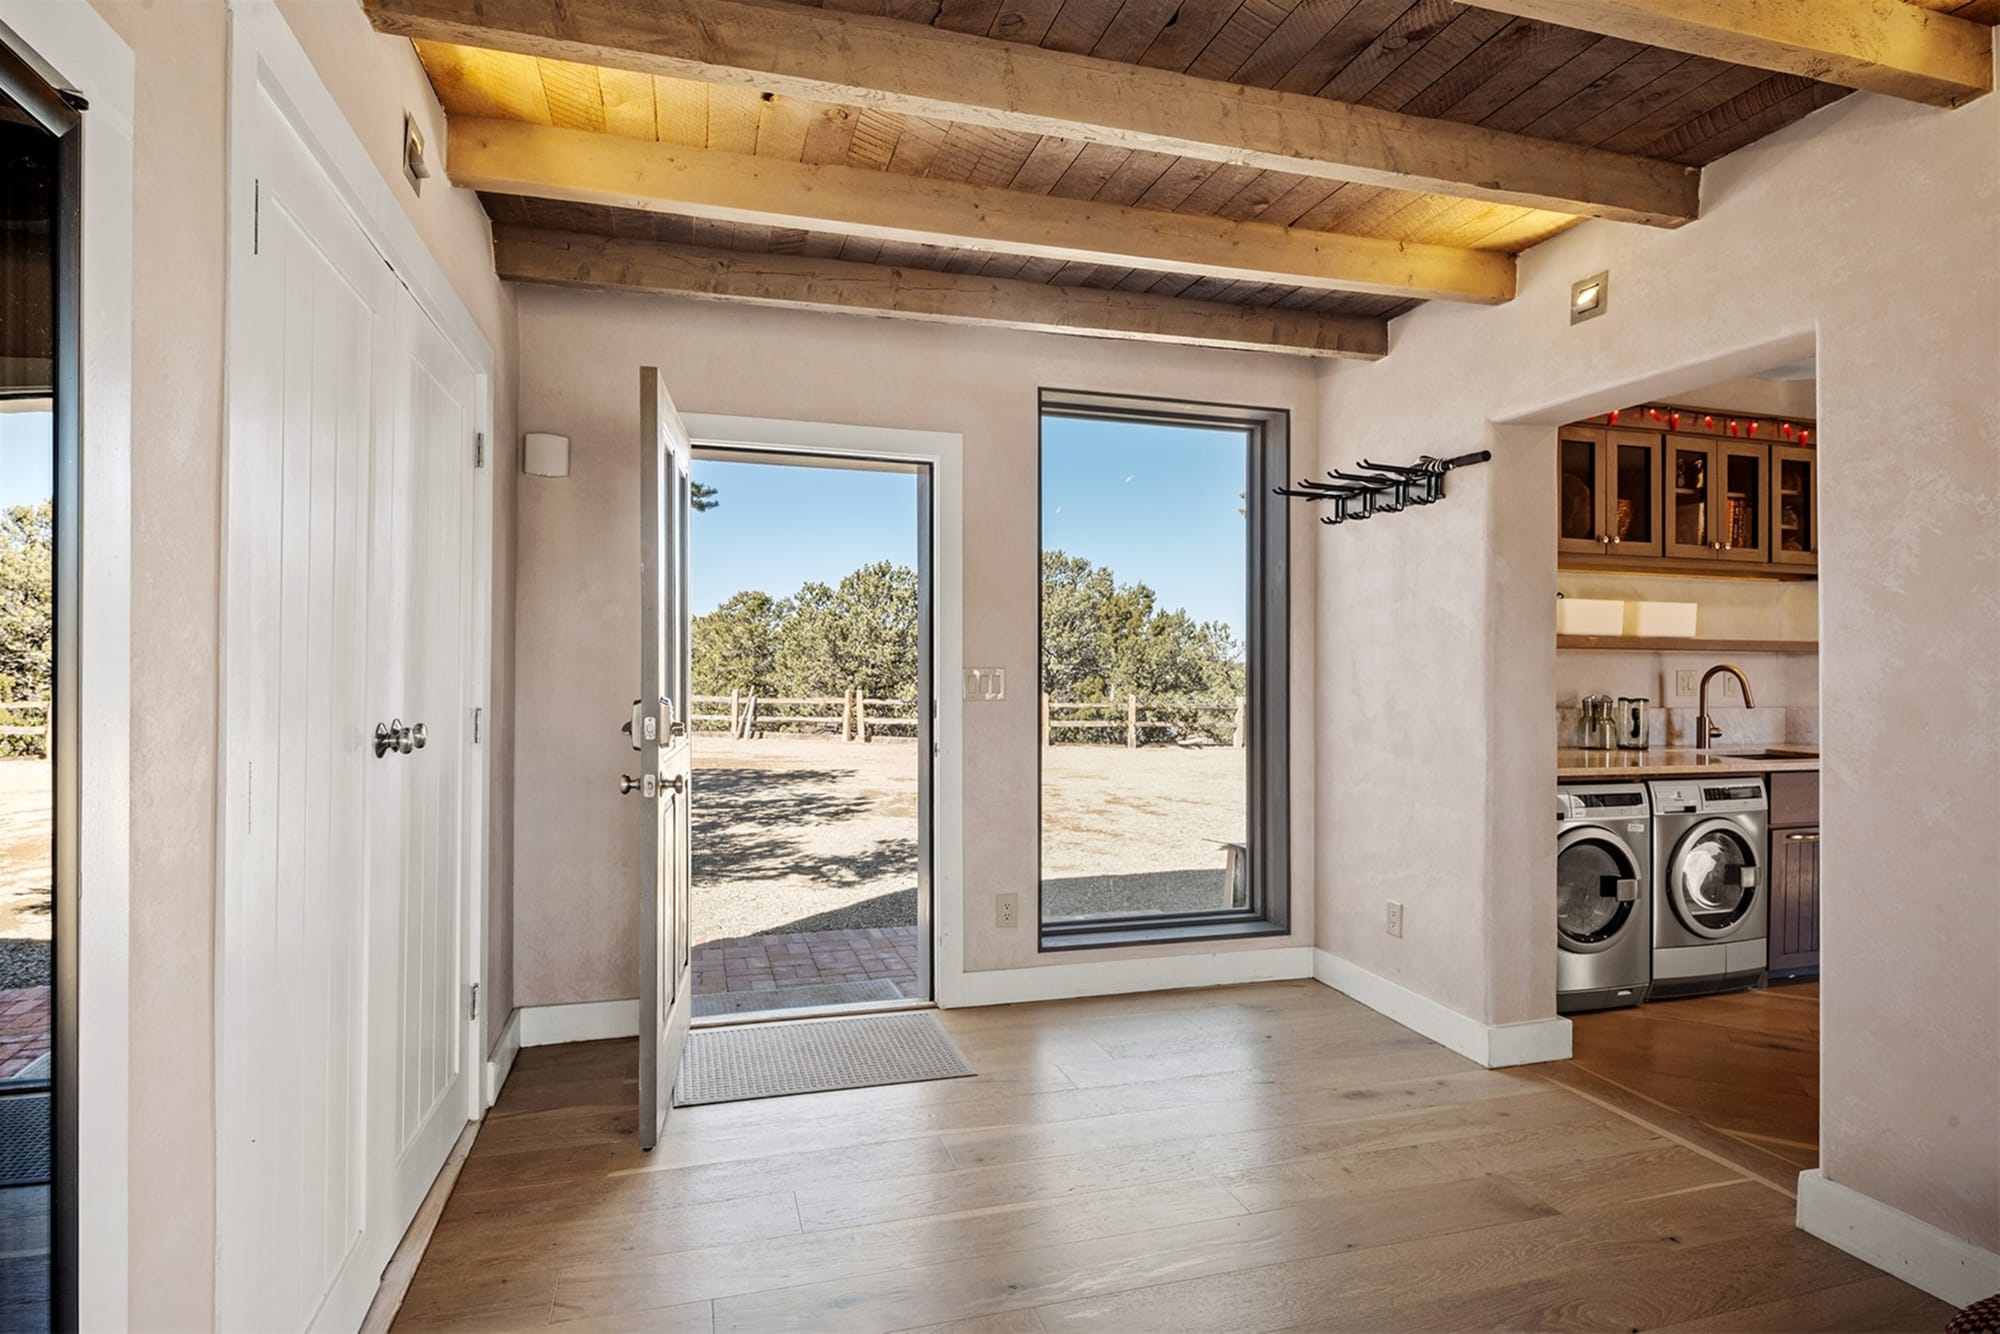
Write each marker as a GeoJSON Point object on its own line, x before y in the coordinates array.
{"type": "Point", "coordinates": [1737, 1075]}
{"type": "Point", "coordinates": [1253, 1158]}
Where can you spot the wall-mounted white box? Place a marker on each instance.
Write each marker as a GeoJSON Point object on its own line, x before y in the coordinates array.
{"type": "Point", "coordinates": [545, 455]}
{"type": "Point", "coordinates": [1589, 616]}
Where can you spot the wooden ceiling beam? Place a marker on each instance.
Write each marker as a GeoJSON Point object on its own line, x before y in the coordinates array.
{"type": "Point", "coordinates": [832, 56]}
{"type": "Point", "coordinates": [1879, 46]}
{"type": "Point", "coordinates": [535, 161]}
{"type": "Point", "coordinates": [602, 263]}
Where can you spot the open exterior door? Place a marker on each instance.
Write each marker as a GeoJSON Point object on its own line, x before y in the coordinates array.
{"type": "Point", "coordinates": [660, 734]}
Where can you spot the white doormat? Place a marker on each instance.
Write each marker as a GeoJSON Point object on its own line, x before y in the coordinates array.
{"type": "Point", "coordinates": [815, 1056]}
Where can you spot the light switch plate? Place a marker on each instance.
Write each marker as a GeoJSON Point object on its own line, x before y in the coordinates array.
{"type": "Point", "coordinates": [1687, 683]}
{"type": "Point", "coordinates": [986, 683]}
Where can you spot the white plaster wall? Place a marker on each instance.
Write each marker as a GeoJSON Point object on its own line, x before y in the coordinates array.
{"type": "Point", "coordinates": [1872, 228]}
{"type": "Point", "coordinates": [577, 913]}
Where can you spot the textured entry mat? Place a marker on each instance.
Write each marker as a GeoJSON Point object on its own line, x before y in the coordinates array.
{"type": "Point", "coordinates": [815, 1056]}
{"type": "Point", "coordinates": [796, 998]}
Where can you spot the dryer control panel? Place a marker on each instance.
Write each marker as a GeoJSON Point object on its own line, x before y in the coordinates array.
{"type": "Point", "coordinates": [1688, 796]}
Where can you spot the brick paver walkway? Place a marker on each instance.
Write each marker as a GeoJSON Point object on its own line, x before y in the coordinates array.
{"type": "Point", "coordinates": [807, 958]}
{"type": "Point", "coordinates": [25, 1024]}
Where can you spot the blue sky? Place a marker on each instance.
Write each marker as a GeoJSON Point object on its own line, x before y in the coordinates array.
{"type": "Point", "coordinates": [26, 461]}
{"type": "Point", "coordinates": [1157, 504]}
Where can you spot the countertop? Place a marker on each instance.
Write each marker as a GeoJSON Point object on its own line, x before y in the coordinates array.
{"type": "Point", "coordinates": [1679, 762]}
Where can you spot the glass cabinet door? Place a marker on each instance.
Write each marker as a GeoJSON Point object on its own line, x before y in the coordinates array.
{"type": "Point", "coordinates": [1740, 516]}
{"type": "Point", "coordinates": [1632, 511]}
{"type": "Point", "coordinates": [1580, 495]}
{"type": "Point", "coordinates": [1794, 506]}
{"type": "Point", "coordinates": [1689, 496]}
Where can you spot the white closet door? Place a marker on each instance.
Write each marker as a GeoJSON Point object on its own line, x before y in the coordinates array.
{"type": "Point", "coordinates": [309, 329]}
{"type": "Point", "coordinates": [423, 602]}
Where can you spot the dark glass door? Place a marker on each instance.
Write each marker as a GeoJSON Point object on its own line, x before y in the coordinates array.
{"type": "Point", "coordinates": [1713, 878]}
{"type": "Point", "coordinates": [39, 223]}
{"type": "Point", "coordinates": [1597, 890]}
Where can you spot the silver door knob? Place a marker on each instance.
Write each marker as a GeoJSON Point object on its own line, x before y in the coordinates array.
{"type": "Point", "coordinates": [676, 785]}
{"type": "Point", "coordinates": [392, 738]}
{"type": "Point", "coordinates": [627, 784]}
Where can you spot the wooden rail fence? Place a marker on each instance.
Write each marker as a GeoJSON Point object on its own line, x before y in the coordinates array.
{"type": "Point", "coordinates": [1131, 716]}
{"type": "Point", "coordinates": [856, 716]}
{"type": "Point", "coordinates": [853, 716]}
{"type": "Point", "coordinates": [11, 711]}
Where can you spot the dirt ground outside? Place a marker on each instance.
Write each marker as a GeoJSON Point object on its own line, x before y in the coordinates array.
{"type": "Point", "coordinates": [804, 833]}
{"type": "Point", "coordinates": [27, 824]}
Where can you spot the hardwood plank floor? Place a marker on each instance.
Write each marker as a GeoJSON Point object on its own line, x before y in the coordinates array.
{"type": "Point", "coordinates": [1249, 1158]}
{"type": "Point", "coordinates": [1737, 1075]}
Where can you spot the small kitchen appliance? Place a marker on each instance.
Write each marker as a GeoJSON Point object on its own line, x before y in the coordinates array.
{"type": "Point", "coordinates": [1600, 725]}
{"type": "Point", "coordinates": [1633, 731]}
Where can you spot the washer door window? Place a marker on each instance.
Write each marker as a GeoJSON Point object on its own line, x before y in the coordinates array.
{"type": "Point", "coordinates": [1712, 880]}
{"type": "Point", "coordinates": [1597, 890]}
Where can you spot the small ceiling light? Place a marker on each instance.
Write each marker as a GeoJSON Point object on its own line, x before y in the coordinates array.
{"type": "Point", "coordinates": [1587, 299]}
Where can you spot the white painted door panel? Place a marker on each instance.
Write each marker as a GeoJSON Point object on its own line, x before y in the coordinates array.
{"type": "Point", "coordinates": [666, 456]}
{"type": "Point", "coordinates": [293, 1080]}
{"type": "Point", "coordinates": [422, 878]}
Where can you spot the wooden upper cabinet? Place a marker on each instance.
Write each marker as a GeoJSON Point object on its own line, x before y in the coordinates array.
{"type": "Point", "coordinates": [1681, 500]}
{"type": "Point", "coordinates": [1580, 487]}
{"type": "Point", "coordinates": [1718, 495]}
{"type": "Point", "coordinates": [1608, 492]}
{"type": "Point", "coordinates": [1794, 505]}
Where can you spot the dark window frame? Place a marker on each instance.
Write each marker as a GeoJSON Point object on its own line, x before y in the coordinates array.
{"type": "Point", "coordinates": [59, 112]}
{"type": "Point", "coordinates": [1267, 675]}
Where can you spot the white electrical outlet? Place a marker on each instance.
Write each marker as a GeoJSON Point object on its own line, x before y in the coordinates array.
{"type": "Point", "coordinates": [1007, 910]}
{"type": "Point", "coordinates": [1687, 684]}
{"type": "Point", "coordinates": [1730, 688]}
{"type": "Point", "coordinates": [1395, 923]}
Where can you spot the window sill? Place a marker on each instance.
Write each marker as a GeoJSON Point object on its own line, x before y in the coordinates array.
{"type": "Point", "coordinates": [1117, 935]}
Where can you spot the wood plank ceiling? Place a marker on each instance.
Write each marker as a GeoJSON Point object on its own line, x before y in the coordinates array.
{"type": "Point", "coordinates": [1442, 61]}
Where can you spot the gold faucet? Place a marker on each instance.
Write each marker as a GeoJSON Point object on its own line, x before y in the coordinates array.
{"type": "Point", "coordinates": [1705, 729]}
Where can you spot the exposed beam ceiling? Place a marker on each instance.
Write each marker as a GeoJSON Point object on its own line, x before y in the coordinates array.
{"type": "Point", "coordinates": [535, 161]}
{"type": "Point", "coordinates": [525, 254]}
{"type": "Point", "coordinates": [1880, 46]}
{"type": "Point", "coordinates": [910, 68]}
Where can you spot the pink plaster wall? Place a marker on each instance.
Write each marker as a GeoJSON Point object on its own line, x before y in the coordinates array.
{"type": "Point", "coordinates": [577, 914]}
{"type": "Point", "coordinates": [1869, 228]}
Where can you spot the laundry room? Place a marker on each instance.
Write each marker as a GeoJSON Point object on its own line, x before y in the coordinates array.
{"type": "Point", "coordinates": [1687, 735]}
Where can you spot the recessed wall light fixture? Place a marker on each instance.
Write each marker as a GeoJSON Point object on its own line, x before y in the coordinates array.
{"type": "Point", "coordinates": [1588, 298]}
{"type": "Point", "coordinates": [415, 169]}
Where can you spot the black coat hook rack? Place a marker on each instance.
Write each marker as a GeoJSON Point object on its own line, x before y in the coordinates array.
{"type": "Point", "coordinates": [1382, 488]}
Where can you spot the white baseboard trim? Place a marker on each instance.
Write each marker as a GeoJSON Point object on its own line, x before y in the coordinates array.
{"type": "Point", "coordinates": [1949, 1268]}
{"type": "Point", "coordinates": [500, 1063]}
{"type": "Point", "coordinates": [1113, 977]}
{"type": "Point", "coordinates": [1492, 1045]}
{"type": "Point", "coordinates": [548, 1025]}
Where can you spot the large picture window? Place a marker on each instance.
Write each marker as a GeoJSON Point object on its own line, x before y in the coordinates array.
{"type": "Point", "coordinates": [1163, 679]}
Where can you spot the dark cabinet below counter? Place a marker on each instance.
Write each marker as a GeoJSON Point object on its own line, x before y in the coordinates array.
{"type": "Point", "coordinates": [1794, 874]}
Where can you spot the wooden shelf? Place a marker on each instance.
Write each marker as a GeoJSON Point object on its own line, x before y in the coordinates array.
{"type": "Point", "coordinates": [1698, 567]}
{"type": "Point", "coordinates": [1637, 644]}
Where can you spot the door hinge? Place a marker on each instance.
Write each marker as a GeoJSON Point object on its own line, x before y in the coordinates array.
{"type": "Point", "coordinates": [479, 449]}
{"type": "Point", "coordinates": [475, 1001]}
{"type": "Point", "coordinates": [256, 214]}
{"type": "Point", "coordinates": [475, 724]}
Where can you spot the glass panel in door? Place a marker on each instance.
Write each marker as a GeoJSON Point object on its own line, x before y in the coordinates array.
{"type": "Point", "coordinates": [1740, 516]}
{"type": "Point", "coordinates": [1580, 486]}
{"type": "Point", "coordinates": [1633, 519]}
{"type": "Point", "coordinates": [1690, 466]}
{"type": "Point", "coordinates": [1714, 881]}
{"type": "Point", "coordinates": [1589, 911]}
{"type": "Point", "coordinates": [1794, 506]}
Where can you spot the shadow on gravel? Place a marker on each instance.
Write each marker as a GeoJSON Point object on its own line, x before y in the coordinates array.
{"type": "Point", "coordinates": [894, 909]}
{"type": "Point", "coordinates": [755, 823]}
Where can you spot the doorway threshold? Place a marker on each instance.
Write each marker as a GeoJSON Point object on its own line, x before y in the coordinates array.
{"type": "Point", "coordinates": [813, 1012]}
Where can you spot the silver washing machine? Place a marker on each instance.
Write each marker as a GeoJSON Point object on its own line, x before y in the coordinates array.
{"type": "Point", "coordinates": [1604, 861]}
{"type": "Point", "coordinates": [1711, 904]}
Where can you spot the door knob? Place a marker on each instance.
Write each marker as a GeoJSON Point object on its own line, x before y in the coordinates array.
{"type": "Point", "coordinates": [414, 738]}
{"type": "Point", "coordinates": [392, 738]}
{"type": "Point", "coordinates": [676, 785]}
